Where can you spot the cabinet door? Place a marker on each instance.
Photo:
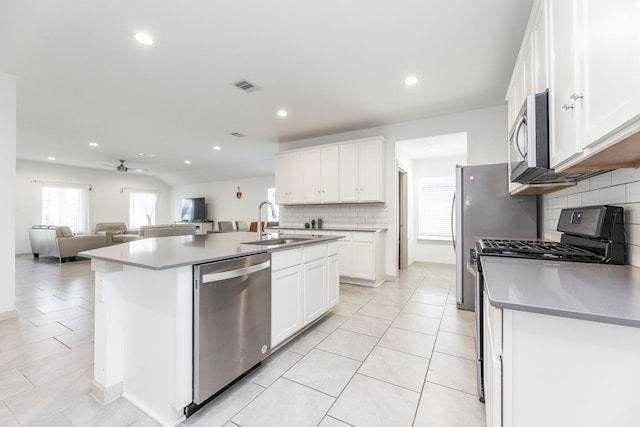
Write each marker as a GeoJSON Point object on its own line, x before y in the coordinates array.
{"type": "Point", "coordinates": [564, 143]}
{"type": "Point", "coordinates": [282, 179]}
{"type": "Point", "coordinates": [315, 289]}
{"type": "Point", "coordinates": [344, 253]}
{"type": "Point", "coordinates": [362, 257]}
{"type": "Point", "coordinates": [539, 47]}
{"type": "Point", "coordinates": [492, 366]}
{"type": "Point", "coordinates": [286, 303]}
{"type": "Point", "coordinates": [311, 179]}
{"type": "Point", "coordinates": [333, 281]}
{"type": "Point", "coordinates": [296, 177]}
{"type": "Point", "coordinates": [330, 174]}
{"type": "Point", "coordinates": [610, 65]}
{"type": "Point", "coordinates": [349, 185]}
{"type": "Point", "coordinates": [371, 171]}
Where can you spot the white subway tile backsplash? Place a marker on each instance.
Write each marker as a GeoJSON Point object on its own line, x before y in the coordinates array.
{"type": "Point", "coordinates": [336, 216]}
{"type": "Point", "coordinates": [612, 195]}
{"type": "Point", "coordinates": [632, 192]}
{"type": "Point", "coordinates": [600, 181]}
{"type": "Point", "coordinates": [574, 200]}
{"type": "Point", "coordinates": [619, 187]}
{"type": "Point", "coordinates": [622, 176]}
{"type": "Point", "coordinates": [591, 198]}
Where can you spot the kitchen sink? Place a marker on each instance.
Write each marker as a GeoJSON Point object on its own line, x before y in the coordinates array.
{"type": "Point", "coordinates": [281, 241]}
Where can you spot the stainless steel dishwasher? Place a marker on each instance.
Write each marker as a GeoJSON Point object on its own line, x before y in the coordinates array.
{"type": "Point", "coordinates": [231, 321]}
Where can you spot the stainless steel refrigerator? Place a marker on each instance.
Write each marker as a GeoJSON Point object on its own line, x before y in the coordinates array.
{"type": "Point", "coordinates": [484, 208]}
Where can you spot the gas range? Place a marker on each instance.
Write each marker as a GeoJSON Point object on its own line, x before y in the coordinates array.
{"type": "Point", "coordinates": [590, 234]}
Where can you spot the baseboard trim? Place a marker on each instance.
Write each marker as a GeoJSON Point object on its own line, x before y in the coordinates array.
{"type": "Point", "coordinates": [103, 395]}
{"type": "Point", "coordinates": [8, 314]}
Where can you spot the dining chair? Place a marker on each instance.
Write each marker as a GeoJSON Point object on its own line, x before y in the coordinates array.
{"type": "Point", "coordinates": [242, 226]}
{"type": "Point", "coordinates": [225, 225]}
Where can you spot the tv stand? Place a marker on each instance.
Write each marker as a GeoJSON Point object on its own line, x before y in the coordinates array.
{"type": "Point", "coordinates": [202, 227]}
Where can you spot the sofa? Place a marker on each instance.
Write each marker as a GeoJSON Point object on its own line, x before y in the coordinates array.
{"type": "Point", "coordinates": [58, 241]}
{"type": "Point", "coordinates": [117, 232]}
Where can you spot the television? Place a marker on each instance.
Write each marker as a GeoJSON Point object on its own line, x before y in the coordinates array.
{"type": "Point", "coordinates": [193, 209]}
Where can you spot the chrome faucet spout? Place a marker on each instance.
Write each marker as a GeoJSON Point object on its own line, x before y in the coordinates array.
{"type": "Point", "coordinates": [273, 213]}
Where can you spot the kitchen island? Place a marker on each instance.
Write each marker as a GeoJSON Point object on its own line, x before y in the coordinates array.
{"type": "Point", "coordinates": [561, 343]}
{"type": "Point", "coordinates": [144, 309]}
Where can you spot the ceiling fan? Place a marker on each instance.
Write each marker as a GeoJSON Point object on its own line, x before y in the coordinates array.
{"type": "Point", "coordinates": [121, 168]}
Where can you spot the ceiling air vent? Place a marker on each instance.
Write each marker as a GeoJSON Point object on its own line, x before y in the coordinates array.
{"type": "Point", "coordinates": [246, 86]}
{"type": "Point", "coordinates": [237, 134]}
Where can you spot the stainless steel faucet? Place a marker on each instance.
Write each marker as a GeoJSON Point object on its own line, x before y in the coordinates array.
{"type": "Point", "coordinates": [273, 213]}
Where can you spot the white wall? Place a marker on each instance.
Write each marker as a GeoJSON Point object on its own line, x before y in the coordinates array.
{"type": "Point", "coordinates": [220, 197]}
{"type": "Point", "coordinates": [486, 143]}
{"type": "Point", "coordinates": [439, 251]}
{"type": "Point", "coordinates": [619, 187]}
{"type": "Point", "coordinates": [7, 177]}
{"type": "Point", "coordinates": [107, 203]}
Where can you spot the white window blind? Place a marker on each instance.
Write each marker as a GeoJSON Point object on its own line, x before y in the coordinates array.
{"type": "Point", "coordinates": [142, 208]}
{"type": "Point", "coordinates": [436, 197]}
{"type": "Point", "coordinates": [66, 205]}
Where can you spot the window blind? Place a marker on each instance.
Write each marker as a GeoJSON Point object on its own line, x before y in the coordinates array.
{"type": "Point", "coordinates": [435, 201]}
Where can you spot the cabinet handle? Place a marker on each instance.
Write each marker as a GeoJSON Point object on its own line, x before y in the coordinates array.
{"type": "Point", "coordinates": [318, 191]}
{"type": "Point", "coordinates": [572, 101]}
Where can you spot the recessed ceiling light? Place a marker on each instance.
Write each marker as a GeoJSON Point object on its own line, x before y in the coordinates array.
{"type": "Point", "coordinates": [144, 38]}
{"type": "Point", "coordinates": [216, 148]}
{"type": "Point", "coordinates": [432, 149]}
{"type": "Point", "coordinates": [93, 144]}
{"type": "Point", "coordinates": [282, 113]}
{"type": "Point", "coordinates": [146, 155]}
{"type": "Point", "coordinates": [187, 162]}
{"type": "Point", "coordinates": [51, 158]}
{"type": "Point", "coordinates": [411, 80]}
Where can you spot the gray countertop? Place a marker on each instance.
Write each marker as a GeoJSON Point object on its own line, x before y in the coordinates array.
{"type": "Point", "coordinates": [597, 292]}
{"type": "Point", "coordinates": [169, 252]}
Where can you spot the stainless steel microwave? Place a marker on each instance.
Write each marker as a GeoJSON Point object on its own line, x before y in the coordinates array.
{"type": "Point", "coordinates": [529, 140]}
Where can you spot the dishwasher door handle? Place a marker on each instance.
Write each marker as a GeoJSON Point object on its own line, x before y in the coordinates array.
{"type": "Point", "coordinates": [230, 274]}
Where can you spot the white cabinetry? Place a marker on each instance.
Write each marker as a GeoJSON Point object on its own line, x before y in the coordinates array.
{"type": "Point", "coordinates": [543, 370]}
{"type": "Point", "coordinates": [360, 253]}
{"type": "Point", "coordinates": [304, 285]}
{"type": "Point", "coordinates": [315, 282]}
{"type": "Point", "coordinates": [347, 172]}
{"type": "Point", "coordinates": [595, 86]}
{"type": "Point", "coordinates": [362, 171]}
{"type": "Point", "coordinates": [289, 178]}
{"type": "Point", "coordinates": [286, 295]}
{"type": "Point", "coordinates": [320, 176]}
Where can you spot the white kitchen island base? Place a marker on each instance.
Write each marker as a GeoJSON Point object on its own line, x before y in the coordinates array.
{"type": "Point", "coordinates": [143, 338]}
{"type": "Point", "coordinates": [144, 310]}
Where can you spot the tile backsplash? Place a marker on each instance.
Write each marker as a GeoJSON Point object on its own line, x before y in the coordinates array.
{"type": "Point", "coordinates": [619, 187]}
{"type": "Point", "coordinates": [336, 216]}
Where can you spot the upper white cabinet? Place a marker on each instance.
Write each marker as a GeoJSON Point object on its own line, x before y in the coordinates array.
{"type": "Point", "coordinates": [362, 171]}
{"type": "Point", "coordinates": [320, 178]}
{"type": "Point", "coordinates": [594, 99]}
{"type": "Point", "coordinates": [348, 172]}
{"type": "Point", "coordinates": [289, 178]}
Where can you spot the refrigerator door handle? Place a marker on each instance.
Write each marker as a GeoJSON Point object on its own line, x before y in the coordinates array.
{"type": "Point", "coordinates": [453, 234]}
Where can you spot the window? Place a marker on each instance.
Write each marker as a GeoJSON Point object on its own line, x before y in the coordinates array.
{"type": "Point", "coordinates": [434, 217]}
{"type": "Point", "coordinates": [142, 208]}
{"type": "Point", "coordinates": [66, 206]}
{"type": "Point", "coordinates": [271, 196]}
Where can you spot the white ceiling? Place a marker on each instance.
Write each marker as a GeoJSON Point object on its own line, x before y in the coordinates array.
{"type": "Point", "coordinates": [335, 66]}
{"type": "Point", "coordinates": [433, 147]}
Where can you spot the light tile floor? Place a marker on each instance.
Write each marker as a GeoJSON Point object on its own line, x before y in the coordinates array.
{"type": "Point", "coordinates": [397, 355]}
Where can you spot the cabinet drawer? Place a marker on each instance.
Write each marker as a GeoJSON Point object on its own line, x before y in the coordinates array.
{"type": "Point", "coordinates": [284, 259]}
{"type": "Point", "coordinates": [314, 252]}
{"type": "Point", "coordinates": [332, 248]}
{"type": "Point", "coordinates": [362, 237]}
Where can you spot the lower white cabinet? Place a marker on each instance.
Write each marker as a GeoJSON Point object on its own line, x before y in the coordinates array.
{"type": "Point", "coordinates": [304, 285]}
{"type": "Point", "coordinates": [315, 289]}
{"type": "Point", "coordinates": [544, 370]}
